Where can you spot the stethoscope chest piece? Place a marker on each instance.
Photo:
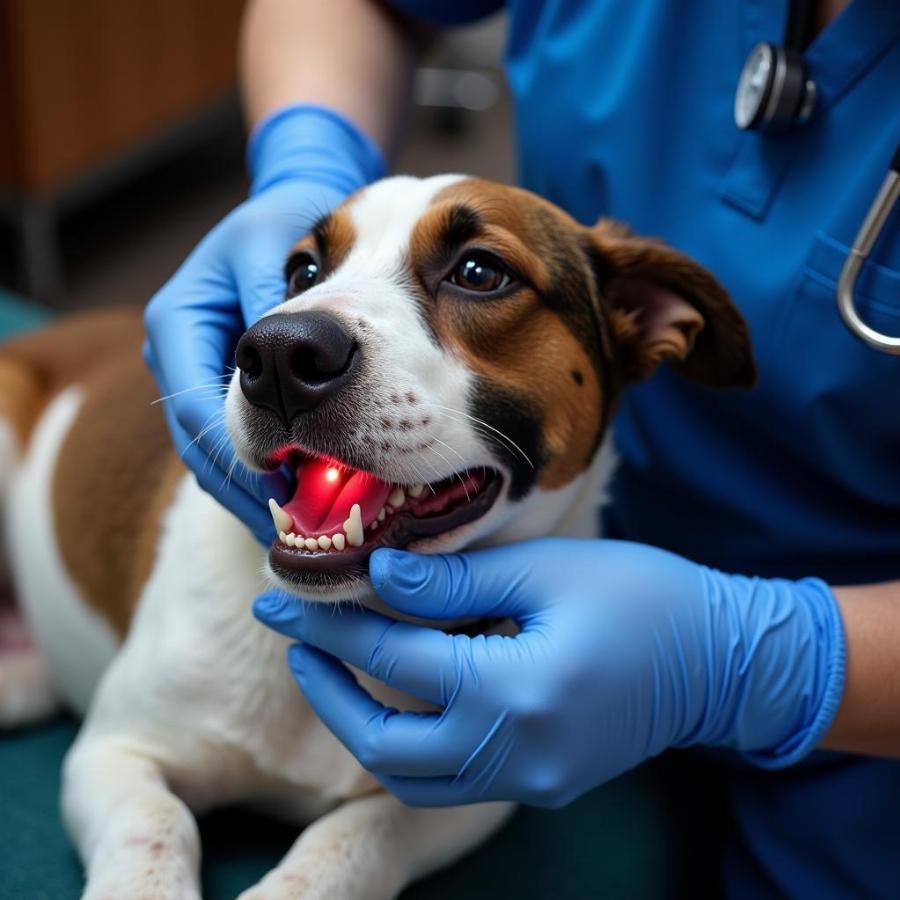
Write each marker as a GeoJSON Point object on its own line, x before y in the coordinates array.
{"type": "Point", "coordinates": [773, 92]}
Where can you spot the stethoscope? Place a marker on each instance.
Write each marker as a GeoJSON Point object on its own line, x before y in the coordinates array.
{"type": "Point", "coordinates": [775, 94]}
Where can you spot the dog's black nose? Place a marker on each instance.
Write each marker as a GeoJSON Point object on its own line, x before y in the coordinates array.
{"type": "Point", "coordinates": [291, 362]}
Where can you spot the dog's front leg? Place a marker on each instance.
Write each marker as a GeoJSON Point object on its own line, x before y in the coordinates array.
{"type": "Point", "coordinates": [371, 848]}
{"type": "Point", "coordinates": [136, 838]}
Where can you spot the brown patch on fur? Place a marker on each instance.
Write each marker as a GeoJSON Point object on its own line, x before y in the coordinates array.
{"type": "Point", "coordinates": [36, 365]}
{"type": "Point", "coordinates": [531, 355]}
{"type": "Point", "coordinates": [114, 479]}
{"type": "Point", "coordinates": [116, 470]}
{"type": "Point", "coordinates": [20, 397]}
{"type": "Point", "coordinates": [528, 342]}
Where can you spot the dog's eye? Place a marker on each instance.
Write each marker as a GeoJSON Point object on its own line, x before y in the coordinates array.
{"type": "Point", "coordinates": [479, 272]}
{"type": "Point", "coordinates": [301, 273]}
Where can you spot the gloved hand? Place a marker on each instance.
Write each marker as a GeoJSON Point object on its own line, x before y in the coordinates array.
{"type": "Point", "coordinates": [304, 160]}
{"type": "Point", "coordinates": [624, 650]}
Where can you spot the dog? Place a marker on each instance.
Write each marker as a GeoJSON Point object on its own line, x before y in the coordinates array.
{"type": "Point", "coordinates": [441, 375]}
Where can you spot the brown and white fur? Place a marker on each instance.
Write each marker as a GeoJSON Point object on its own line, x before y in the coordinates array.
{"type": "Point", "coordinates": [137, 586]}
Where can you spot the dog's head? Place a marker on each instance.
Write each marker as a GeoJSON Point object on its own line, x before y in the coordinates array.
{"type": "Point", "coordinates": [446, 364]}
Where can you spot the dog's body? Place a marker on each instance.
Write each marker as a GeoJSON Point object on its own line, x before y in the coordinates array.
{"type": "Point", "coordinates": [137, 585]}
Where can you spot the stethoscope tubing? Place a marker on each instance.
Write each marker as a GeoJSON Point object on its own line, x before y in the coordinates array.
{"type": "Point", "coordinates": [868, 233]}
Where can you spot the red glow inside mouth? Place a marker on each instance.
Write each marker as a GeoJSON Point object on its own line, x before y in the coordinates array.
{"type": "Point", "coordinates": [325, 493]}
{"type": "Point", "coordinates": [338, 515]}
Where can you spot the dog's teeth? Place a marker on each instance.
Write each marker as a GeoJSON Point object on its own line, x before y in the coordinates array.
{"type": "Point", "coordinates": [353, 527]}
{"type": "Point", "coordinates": [283, 522]}
{"type": "Point", "coordinates": [338, 541]}
{"type": "Point", "coordinates": [290, 540]}
{"type": "Point", "coordinates": [374, 525]}
{"type": "Point", "coordinates": [417, 490]}
{"type": "Point", "coordinates": [282, 537]}
{"type": "Point", "coordinates": [397, 497]}
{"type": "Point", "coordinates": [382, 514]}
{"type": "Point", "coordinates": [311, 544]}
{"type": "Point", "coordinates": [324, 542]}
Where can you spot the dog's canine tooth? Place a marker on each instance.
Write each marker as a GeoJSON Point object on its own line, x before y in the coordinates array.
{"type": "Point", "coordinates": [324, 542]}
{"type": "Point", "coordinates": [353, 527]}
{"type": "Point", "coordinates": [338, 541]}
{"type": "Point", "coordinates": [283, 522]}
{"type": "Point", "coordinates": [417, 490]}
{"type": "Point", "coordinates": [311, 544]}
{"type": "Point", "coordinates": [397, 497]}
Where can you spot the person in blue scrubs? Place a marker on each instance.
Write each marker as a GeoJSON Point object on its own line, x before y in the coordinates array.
{"type": "Point", "coordinates": [748, 604]}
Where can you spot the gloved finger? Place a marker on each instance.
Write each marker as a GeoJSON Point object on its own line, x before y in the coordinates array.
{"type": "Point", "coordinates": [195, 414]}
{"type": "Point", "coordinates": [193, 364]}
{"type": "Point", "coordinates": [383, 740]}
{"type": "Point", "coordinates": [233, 493]}
{"type": "Point", "coordinates": [424, 662]}
{"type": "Point", "coordinates": [259, 276]}
{"type": "Point", "coordinates": [262, 241]}
{"type": "Point", "coordinates": [485, 583]}
{"type": "Point", "coordinates": [153, 366]}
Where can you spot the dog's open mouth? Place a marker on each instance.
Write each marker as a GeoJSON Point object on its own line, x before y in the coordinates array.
{"type": "Point", "coordinates": [339, 515]}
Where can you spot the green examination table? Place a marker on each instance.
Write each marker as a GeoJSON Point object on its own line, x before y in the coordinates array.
{"type": "Point", "coordinates": [609, 844]}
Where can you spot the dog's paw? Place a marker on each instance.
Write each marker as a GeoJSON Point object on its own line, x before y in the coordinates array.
{"type": "Point", "coordinates": [285, 885]}
{"type": "Point", "coordinates": [278, 886]}
{"type": "Point", "coordinates": [153, 879]}
{"type": "Point", "coordinates": [147, 889]}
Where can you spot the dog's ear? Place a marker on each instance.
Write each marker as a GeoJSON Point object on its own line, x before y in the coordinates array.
{"type": "Point", "coordinates": [665, 306]}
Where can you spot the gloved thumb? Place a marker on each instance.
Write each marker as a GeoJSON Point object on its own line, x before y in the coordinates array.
{"type": "Point", "coordinates": [485, 583]}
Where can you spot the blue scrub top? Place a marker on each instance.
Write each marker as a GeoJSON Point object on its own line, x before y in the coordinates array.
{"type": "Point", "coordinates": [624, 108]}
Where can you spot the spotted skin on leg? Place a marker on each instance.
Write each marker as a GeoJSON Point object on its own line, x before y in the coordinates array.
{"type": "Point", "coordinates": [371, 848]}
{"type": "Point", "coordinates": [136, 838]}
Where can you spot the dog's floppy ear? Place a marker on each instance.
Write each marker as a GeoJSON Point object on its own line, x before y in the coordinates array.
{"type": "Point", "coordinates": [665, 306]}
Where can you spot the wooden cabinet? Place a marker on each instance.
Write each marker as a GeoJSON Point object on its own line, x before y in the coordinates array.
{"type": "Point", "coordinates": [83, 82]}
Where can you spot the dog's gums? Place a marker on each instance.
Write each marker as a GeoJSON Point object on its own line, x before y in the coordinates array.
{"type": "Point", "coordinates": [338, 515]}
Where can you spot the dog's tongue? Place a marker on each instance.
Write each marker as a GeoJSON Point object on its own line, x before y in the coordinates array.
{"type": "Point", "coordinates": [325, 492]}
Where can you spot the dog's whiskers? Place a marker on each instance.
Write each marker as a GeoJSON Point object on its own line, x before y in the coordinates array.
{"type": "Point", "coordinates": [216, 418]}
{"type": "Point", "coordinates": [457, 475]}
{"type": "Point", "coordinates": [213, 385]}
{"type": "Point", "coordinates": [512, 444]}
{"type": "Point", "coordinates": [462, 460]}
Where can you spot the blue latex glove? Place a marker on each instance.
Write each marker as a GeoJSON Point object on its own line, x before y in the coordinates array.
{"type": "Point", "coordinates": [625, 650]}
{"type": "Point", "coordinates": [304, 160]}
